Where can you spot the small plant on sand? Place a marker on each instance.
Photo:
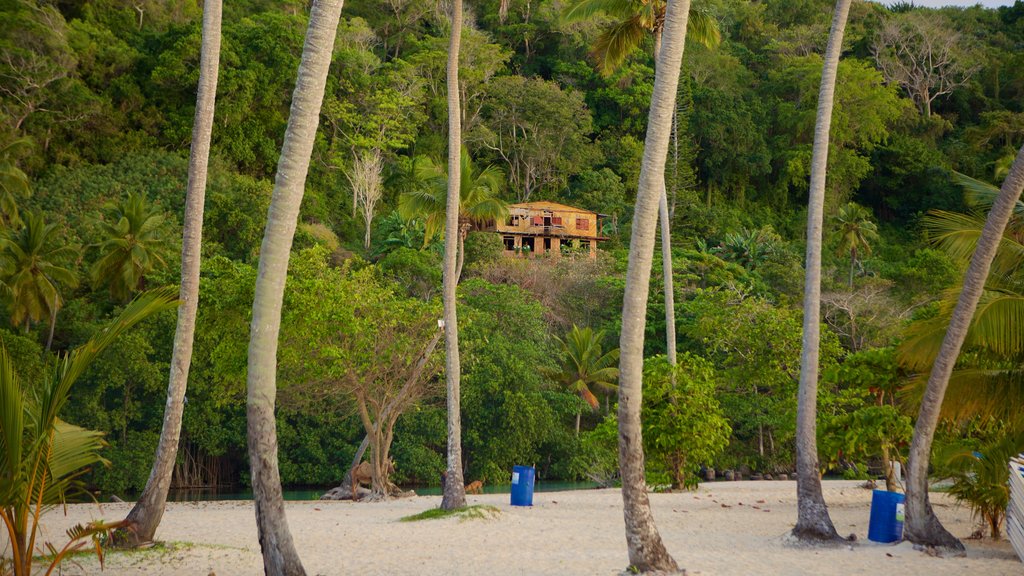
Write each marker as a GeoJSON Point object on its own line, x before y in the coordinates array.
{"type": "Point", "coordinates": [475, 512]}
{"type": "Point", "coordinates": [42, 457]}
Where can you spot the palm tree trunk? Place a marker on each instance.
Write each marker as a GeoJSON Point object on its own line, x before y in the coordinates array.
{"type": "Point", "coordinates": [145, 516]}
{"type": "Point", "coordinates": [647, 552]}
{"type": "Point", "coordinates": [454, 490]}
{"type": "Point", "coordinates": [666, 245]}
{"type": "Point", "coordinates": [922, 527]}
{"type": "Point", "coordinates": [279, 554]}
{"type": "Point", "coordinates": [853, 265]}
{"type": "Point", "coordinates": [53, 322]}
{"type": "Point", "coordinates": [813, 521]}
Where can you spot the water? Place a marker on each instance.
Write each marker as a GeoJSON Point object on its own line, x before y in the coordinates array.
{"type": "Point", "coordinates": [315, 493]}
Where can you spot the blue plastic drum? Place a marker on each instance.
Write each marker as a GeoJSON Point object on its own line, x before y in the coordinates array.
{"type": "Point", "coordinates": [522, 485]}
{"type": "Point", "coordinates": [886, 523]}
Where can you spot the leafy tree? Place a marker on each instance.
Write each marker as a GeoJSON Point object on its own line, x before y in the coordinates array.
{"type": "Point", "coordinates": [133, 245]}
{"type": "Point", "coordinates": [13, 182]}
{"type": "Point", "coordinates": [585, 365]}
{"type": "Point", "coordinates": [684, 427]}
{"type": "Point", "coordinates": [856, 232]}
{"type": "Point", "coordinates": [34, 262]}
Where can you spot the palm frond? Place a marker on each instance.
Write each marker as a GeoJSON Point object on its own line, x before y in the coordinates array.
{"type": "Point", "coordinates": [584, 9]}
{"type": "Point", "coordinates": [957, 234]}
{"type": "Point", "coordinates": [616, 43]}
{"type": "Point", "coordinates": [703, 29]}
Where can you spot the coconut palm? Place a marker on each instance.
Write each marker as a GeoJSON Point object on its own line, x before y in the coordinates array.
{"type": "Point", "coordinates": [636, 19]}
{"type": "Point", "coordinates": [454, 492]}
{"type": "Point", "coordinates": [586, 367]}
{"type": "Point", "coordinates": [647, 552]}
{"type": "Point", "coordinates": [133, 245]}
{"type": "Point", "coordinates": [145, 516]}
{"type": "Point", "coordinates": [856, 233]}
{"type": "Point", "coordinates": [922, 526]}
{"type": "Point", "coordinates": [42, 458]}
{"type": "Point", "coordinates": [279, 554]}
{"type": "Point", "coordinates": [33, 261]}
{"type": "Point", "coordinates": [478, 200]}
{"type": "Point", "coordinates": [13, 182]}
{"type": "Point", "coordinates": [813, 521]}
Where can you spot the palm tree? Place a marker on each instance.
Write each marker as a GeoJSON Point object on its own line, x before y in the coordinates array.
{"type": "Point", "coordinates": [279, 554]}
{"type": "Point", "coordinates": [44, 457]}
{"type": "Point", "coordinates": [133, 245]}
{"type": "Point", "coordinates": [647, 552]}
{"type": "Point", "coordinates": [32, 261]}
{"type": "Point", "coordinates": [478, 200]}
{"type": "Point", "coordinates": [856, 231]}
{"type": "Point", "coordinates": [813, 521]}
{"type": "Point", "coordinates": [585, 366]}
{"type": "Point", "coordinates": [637, 19]}
{"type": "Point", "coordinates": [454, 495]}
{"type": "Point", "coordinates": [13, 182]}
{"type": "Point", "coordinates": [922, 526]}
{"type": "Point", "coordinates": [145, 516]}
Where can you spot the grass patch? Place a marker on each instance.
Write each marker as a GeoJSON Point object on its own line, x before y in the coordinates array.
{"type": "Point", "coordinates": [475, 512]}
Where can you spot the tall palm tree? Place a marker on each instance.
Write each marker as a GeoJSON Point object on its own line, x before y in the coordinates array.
{"type": "Point", "coordinates": [133, 245]}
{"type": "Point", "coordinates": [856, 233]}
{"type": "Point", "coordinates": [145, 516]}
{"type": "Point", "coordinates": [13, 181]}
{"type": "Point", "coordinates": [454, 495]}
{"type": "Point", "coordinates": [478, 200]}
{"type": "Point", "coordinates": [279, 554]}
{"type": "Point", "coordinates": [922, 526]}
{"type": "Point", "coordinates": [585, 367]}
{"type": "Point", "coordinates": [636, 20]}
{"type": "Point", "coordinates": [42, 456]}
{"type": "Point", "coordinates": [647, 552]}
{"type": "Point", "coordinates": [33, 262]}
{"type": "Point", "coordinates": [813, 521]}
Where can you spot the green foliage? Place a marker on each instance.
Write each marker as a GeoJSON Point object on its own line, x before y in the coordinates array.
{"type": "Point", "coordinates": [475, 512]}
{"type": "Point", "coordinates": [133, 245]}
{"type": "Point", "coordinates": [36, 270]}
{"type": "Point", "coordinates": [684, 427]}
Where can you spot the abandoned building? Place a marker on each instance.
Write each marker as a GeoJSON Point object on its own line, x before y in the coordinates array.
{"type": "Point", "coordinates": [548, 227]}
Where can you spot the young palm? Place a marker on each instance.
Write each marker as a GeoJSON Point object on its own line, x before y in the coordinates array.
{"type": "Point", "coordinates": [856, 232]}
{"type": "Point", "coordinates": [13, 182]}
{"type": "Point", "coordinates": [42, 457]}
{"type": "Point", "coordinates": [33, 261]}
{"type": "Point", "coordinates": [478, 200]}
{"type": "Point", "coordinates": [133, 245]}
{"type": "Point", "coordinates": [586, 367]}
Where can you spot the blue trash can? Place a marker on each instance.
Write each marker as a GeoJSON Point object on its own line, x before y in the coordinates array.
{"type": "Point", "coordinates": [886, 523]}
{"type": "Point", "coordinates": [522, 485]}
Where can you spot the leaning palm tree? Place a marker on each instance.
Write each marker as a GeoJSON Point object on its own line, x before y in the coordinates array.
{"type": "Point", "coordinates": [145, 516]}
{"type": "Point", "coordinates": [636, 19]}
{"type": "Point", "coordinates": [478, 200]}
{"type": "Point", "coordinates": [279, 554]}
{"type": "Point", "coordinates": [586, 367]}
{"type": "Point", "coordinates": [454, 495]}
{"type": "Point", "coordinates": [856, 233]}
{"type": "Point", "coordinates": [133, 245]}
{"type": "Point", "coordinates": [42, 457]}
{"type": "Point", "coordinates": [922, 526]}
{"type": "Point", "coordinates": [34, 265]}
{"type": "Point", "coordinates": [13, 181]}
{"type": "Point", "coordinates": [647, 552]}
{"type": "Point", "coordinates": [813, 521]}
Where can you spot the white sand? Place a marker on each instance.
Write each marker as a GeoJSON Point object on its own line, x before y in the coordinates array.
{"type": "Point", "coordinates": [577, 532]}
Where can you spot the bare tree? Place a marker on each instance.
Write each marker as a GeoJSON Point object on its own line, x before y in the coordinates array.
{"type": "Point", "coordinates": [923, 55]}
{"type": "Point", "coordinates": [367, 183]}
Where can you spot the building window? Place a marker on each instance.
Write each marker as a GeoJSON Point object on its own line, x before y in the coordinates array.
{"type": "Point", "coordinates": [585, 245]}
{"type": "Point", "coordinates": [582, 224]}
{"type": "Point", "coordinates": [510, 243]}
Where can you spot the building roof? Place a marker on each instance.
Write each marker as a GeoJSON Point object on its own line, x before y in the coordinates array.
{"type": "Point", "coordinates": [551, 206]}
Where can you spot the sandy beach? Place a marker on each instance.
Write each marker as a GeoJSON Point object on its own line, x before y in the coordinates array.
{"type": "Point", "coordinates": [722, 528]}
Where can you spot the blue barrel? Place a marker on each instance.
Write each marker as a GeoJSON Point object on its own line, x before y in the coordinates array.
{"type": "Point", "coordinates": [886, 523]}
{"type": "Point", "coordinates": [522, 485]}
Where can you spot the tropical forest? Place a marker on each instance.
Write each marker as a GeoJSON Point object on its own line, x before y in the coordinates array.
{"type": "Point", "coordinates": [257, 250]}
